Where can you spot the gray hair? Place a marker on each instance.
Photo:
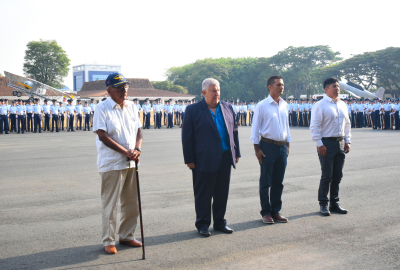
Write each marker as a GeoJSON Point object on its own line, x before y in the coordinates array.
{"type": "Point", "coordinates": [207, 82]}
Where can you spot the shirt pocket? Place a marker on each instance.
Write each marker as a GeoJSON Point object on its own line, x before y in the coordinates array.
{"type": "Point", "coordinates": [113, 126]}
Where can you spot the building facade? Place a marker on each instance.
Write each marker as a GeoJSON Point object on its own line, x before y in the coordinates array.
{"type": "Point", "coordinates": [91, 72]}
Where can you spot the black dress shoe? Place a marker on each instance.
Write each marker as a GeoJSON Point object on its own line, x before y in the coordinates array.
{"type": "Point", "coordinates": [337, 209]}
{"type": "Point", "coordinates": [205, 232]}
{"type": "Point", "coordinates": [324, 210]}
{"type": "Point", "coordinates": [224, 229]}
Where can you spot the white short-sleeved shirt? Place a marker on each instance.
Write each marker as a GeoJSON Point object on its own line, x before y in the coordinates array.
{"type": "Point", "coordinates": [122, 126]}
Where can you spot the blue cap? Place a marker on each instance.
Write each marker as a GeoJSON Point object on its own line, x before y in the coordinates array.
{"type": "Point", "coordinates": [115, 79]}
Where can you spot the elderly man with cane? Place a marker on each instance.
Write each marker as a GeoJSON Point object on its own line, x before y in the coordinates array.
{"type": "Point", "coordinates": [119, 142]}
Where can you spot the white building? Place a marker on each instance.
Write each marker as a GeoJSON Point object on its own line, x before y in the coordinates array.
{"type": "Point", "coordinates": [91, 72]}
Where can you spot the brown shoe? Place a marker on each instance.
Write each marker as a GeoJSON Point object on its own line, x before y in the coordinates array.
{"type": "Point", "coordinates": [267, 219]}
{"type": "Point", "coordinates": [278, 218]}
{"type": "Point", "coordinates": [110, 249]}
{"type": "Point", "coordinates": [133, 243]}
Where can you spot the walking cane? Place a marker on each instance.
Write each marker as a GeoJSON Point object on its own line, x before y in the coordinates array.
{"type": "Point", "coordinates": [140, 209]}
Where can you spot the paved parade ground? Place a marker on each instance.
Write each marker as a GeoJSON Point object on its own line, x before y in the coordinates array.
{"type": "Point", "coordinates": [50, 207]}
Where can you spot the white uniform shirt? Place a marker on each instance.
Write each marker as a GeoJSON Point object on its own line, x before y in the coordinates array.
{"type": "Point", "coordinates": [271, 121]}
{"type": "Point", "coordinates": [330, 119]}
{"type": "Point", "coordinates": [122, 127]}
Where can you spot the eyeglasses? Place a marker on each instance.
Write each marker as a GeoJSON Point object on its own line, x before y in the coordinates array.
{"type": "Point", "coordinates": [123, 87]}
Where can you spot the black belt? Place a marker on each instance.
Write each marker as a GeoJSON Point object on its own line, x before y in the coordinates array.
{"type": "Point", "coordinates": [280, 143]}
{"type": "Point", "coordinates": [337, 139]}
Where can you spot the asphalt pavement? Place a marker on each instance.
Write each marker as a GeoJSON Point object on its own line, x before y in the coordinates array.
{"type": "Point", "coordinates": [50, 207]}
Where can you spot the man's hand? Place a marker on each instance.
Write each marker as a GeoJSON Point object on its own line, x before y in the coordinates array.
{"type": "Point", "coordinates": [191, 165]}
{"type": "Point", "coordinates": [133, 154]}
{"type": "Point", "coordinates": [237, 160]}
{"type": "Point", "coordinates": [322, 150]}
{"type": "Point", "coordinates": [347, 148]}
{"type": "Point", "coordinates": [259, 153]}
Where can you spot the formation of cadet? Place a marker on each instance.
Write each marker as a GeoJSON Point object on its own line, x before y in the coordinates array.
{"type": "Point", "coordinates": [21, 118]}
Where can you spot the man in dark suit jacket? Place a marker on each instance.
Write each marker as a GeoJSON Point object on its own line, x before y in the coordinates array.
{"type": "Point", "coordinates": [210, 147]}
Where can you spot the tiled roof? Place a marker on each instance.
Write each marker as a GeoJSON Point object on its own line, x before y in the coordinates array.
{"type": "Point", "coordinates": [137, 93]}
{"type": "Point", "coordinates": [101, 85]}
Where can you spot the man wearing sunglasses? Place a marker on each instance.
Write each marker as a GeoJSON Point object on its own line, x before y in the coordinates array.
{"type": "Point", "coordinates": [119, 141]}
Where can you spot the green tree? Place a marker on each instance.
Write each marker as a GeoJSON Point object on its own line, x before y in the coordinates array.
{"type": "Point", "coordinates": [297, 66]}
{"type": "Point", "coordinates": [166, 85]}
{"type": "Point", "coordinates": [46, 62]}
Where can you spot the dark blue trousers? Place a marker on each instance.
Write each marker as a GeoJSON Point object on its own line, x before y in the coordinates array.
{"type": "Point", "coordinates": [294, 118]}
{"type": "Point", "coordinates": [71, 122]}
{"type": "Point", "coordinates": [37, 122]}
{"type": "Point", "coordinates": [87, 122]}
{"type": "Point", "coordinates": [170, 120]}
{"type": "Point", "coordinates": [158, 120]}
{"type": "Point", "coordinates": [271, 178]}
{"type": "Point", "coordinates": [79, 120]}
{"type": "Point", "coordinates": [387, 120]}
{"type": "Point", "coordinates": [237, 118]}
{"type": "Point", "coordinates": [54, 121]}
{"type": "Point", "coordinates": [46, 122]}
{"type": "Point", "coordinates": [332, 171]}
{"type": "Point", "coordinates": [147, 124]}
{"type": "Point", "coordinates": [212, 186]}
{"type": "Point", "coordinates": [353, 120]}
{"type": "Point", "coordinates": [13, 122]}
{"type": "Point", "coordinates": [377, 120]}
{"type": "Point", "coordinates": [301, 119]}
{"type": "Point", "coordinates": [21, 123]}
{"type": "Point", "coordinates": [360, 119]}
{"type": "Point", "coordinates": [4, 123]}
{"type": "Point", "coordinates": [396, 119]}
{"type": "Point", "coordinates": [29, 121]}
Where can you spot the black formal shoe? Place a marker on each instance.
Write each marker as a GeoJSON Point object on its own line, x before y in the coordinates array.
{"type": "Point", "coordinates": [324, 210]}
{"type": "Point", "coordinates": [224, 229]}
{"type": "Point", "coordinates": [337, 209]}
{"type": "Point", "coordinates": [205, 232]}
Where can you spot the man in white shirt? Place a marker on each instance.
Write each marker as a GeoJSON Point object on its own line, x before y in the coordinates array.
{"type": "Point", "coordinates": [330, 130]}
{"type": "Point", "coordinates": [271, 122]}
{"type": "Point", "coordinates": [119, 141]}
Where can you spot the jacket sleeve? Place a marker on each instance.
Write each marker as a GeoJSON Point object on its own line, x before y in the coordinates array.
{"type": "Point", "coordinates": [188, 139]}
{"type": "Point", "coordinates": [235, 134]}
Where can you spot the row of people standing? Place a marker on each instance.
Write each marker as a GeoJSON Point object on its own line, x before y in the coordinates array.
{"type": "Point", "coordinates": [21, 117]}
{"type": "Point", "coordinates": [376, 114]}
{"type": "Point", "coordinates": [173, 113]}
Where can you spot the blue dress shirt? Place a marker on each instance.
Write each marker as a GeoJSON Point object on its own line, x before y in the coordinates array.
{"type": "Point", "coordinates": [223, 134]}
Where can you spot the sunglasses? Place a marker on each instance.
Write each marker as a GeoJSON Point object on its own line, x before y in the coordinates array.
{"type": "Point", "coordinates": [123, 87]}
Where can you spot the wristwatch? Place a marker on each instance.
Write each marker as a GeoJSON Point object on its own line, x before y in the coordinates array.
{"type": "Point", "coordinates": [138, 149]}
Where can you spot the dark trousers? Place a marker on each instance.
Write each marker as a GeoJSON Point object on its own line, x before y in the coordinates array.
{"type": "Point", "coordinates": [79, 118]}
{"type": "Point", "coordinates": [305, 119]}
{"type": "Point", "coordinates": [212, 186]}
{"type": "Point", "coordinates": [360, 119]}
{"type": "Point", "coordinates": [387, 120]}
{"type": "Point", "coordinates": [294, 118]}
{"type": "Point", "coordinates": [301, 119]}
{"type": "Point", "coordinates": [29, 121]}
{"type": "Point", "coordinates": [377, 120]}
{"type": "Point", "coordinates": [176, 117]}
{"type": "Point", "coordinates": [71, 122]}
{"type": "Point", "coordinates": [238, 118]}
{"type": "Point", "coordinates": [37, 122]}
{"type": "Point", "coordinates": [396, 120]}
{"type": "Point", "coordinates": [332, 171]}
{"type": "Point", "coordinates": [182, 117]}
{"type": "Point", "coordinates": [46, 122]}
{"type": "Point", "coordinates": [170, 120]}
{"type": "Point", "coordinates": [21, 123]}
{"type": "Point", "coordinates": [251, 114]}
{"type": "Point", "coordinates": [244, 118]}
{"type": "Point", "coordinates": [271, 177]}
{"type": "Point", "coordinates": [353, 119]}
{"type": "Point", "coordinates": [87, 122]}
{"type": "Point", "coordinates": [147, 122]}
{"type": "Point", "coordinates": [54, 121]}
{"type": "Point", "coordinates": [158, 120]}
{"type": "Point", "coordinates": [4, 123]}
{"type": "Point", "coordinates": [61, 118]}
{"type": "Point", "coordinates": [13, 120]}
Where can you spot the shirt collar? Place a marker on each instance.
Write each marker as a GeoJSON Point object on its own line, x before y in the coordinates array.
{"type": "Point", "coordinates": [270, 99]}
{"type": "Point", "coordinates": [113, 103]}
{"type": "Point", "coordinates": [330, 99]}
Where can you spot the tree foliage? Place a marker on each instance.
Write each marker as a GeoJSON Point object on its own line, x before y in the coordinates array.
{"type": "Point", "coordinates": [166, 85]}
{"type": "Point", "coordinates": [303, 69]}
{"type": "Point", "coordinates": [46, 62]}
